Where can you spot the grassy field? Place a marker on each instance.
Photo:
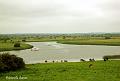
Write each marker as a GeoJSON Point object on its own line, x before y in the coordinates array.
{"type": "Point", "coordinates": [81, 41]}
{"type": "Point", "coordinates": [8, 46]}
{"type": "Point", "coordinates": [6, 41]}
{"type": "Point", "coordinates": [78, 71]}
{"type": "Point", "coordinates": [110, 42]}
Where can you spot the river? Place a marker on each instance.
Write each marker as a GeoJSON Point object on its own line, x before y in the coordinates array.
{"type": "Point", "coordinates": [54, 51]}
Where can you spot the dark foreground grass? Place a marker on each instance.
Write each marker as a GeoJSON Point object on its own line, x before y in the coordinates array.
{"type": "Point", "coordinates": [79, 71]}
{"type": "Point", "coordinates": [10, 46]}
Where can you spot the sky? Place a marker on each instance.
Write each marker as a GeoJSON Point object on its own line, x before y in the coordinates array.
{"type": "Point", "coordinates": [59, 16]}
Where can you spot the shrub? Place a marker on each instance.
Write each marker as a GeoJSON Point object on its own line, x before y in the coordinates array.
{"type": "Point", "coordinates": [17, 44]}
{"type": "Point", "coordinates": [10, 62]}
{"type": "Point", "coordinates": [107, 37]}
{"type": "Point", "coordinates": [23, 40]}
{"type": "Point", "coordinates": [2, 65]}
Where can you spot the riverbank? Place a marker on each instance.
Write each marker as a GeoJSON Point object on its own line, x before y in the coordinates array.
{"type": "Point", "coordinates": [77, 71]}
{"type": "Point", "coordinates": [8, 46]}
{"type": "Point", "coordinates": [108, 42]}
{"type": "Point", "coordinates": [111, 57]}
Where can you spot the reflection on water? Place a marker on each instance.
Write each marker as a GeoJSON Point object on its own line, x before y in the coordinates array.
{"type": "Point", "coordinates": [55, 51]}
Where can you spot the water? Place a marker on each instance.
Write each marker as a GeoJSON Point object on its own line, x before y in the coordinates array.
{"type": "Point", "coordinates": [54, 51]}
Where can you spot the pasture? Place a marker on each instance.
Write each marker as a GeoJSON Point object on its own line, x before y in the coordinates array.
{"type": "Point", "coordinates": [8, 46]}
{"type": "Point", "coordinates": [77, 71]}
{"type": "Point", "coordinates": [109, 42]}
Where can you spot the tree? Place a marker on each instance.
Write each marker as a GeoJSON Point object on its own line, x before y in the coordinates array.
{"type": "Point", "coordinates": [64, 37]}
{"type": "Point", "coordinates": [5, 39]}
{"type": "Point", "coordinates": [10, 62]}
{"type": "Point", "coordinates": [107, 37]}
{"type": "Point", "coordinates": [17, 44]}
{"type": "Point", "coordinates": [23, 40]}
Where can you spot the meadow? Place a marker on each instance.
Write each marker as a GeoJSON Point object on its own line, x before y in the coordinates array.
{"type": "Point", "coordinates": [109, 42]}
{"type": "Point", "coordinates": [8, 46]}
{"type": "Point", "coordinates": [112, 39]}
{"type": "Point", "coordinates": [77, 71]}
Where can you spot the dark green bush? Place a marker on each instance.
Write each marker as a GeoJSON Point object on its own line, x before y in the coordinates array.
{"type": "Point", "coordinates": [23, 40]}
{"type": "Point", "coordinates": [10, 62]}
{"type": "Point", "coordinates": [107, 37]}
{"type": "Point", "coordinates": [17, 44]}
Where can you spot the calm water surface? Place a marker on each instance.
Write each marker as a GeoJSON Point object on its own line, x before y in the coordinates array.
{"type": "Point", "coordinates": [55, 51]}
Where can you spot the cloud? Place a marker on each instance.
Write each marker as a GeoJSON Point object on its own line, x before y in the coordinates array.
{"type": "Point", "coordinates": [59, 15]}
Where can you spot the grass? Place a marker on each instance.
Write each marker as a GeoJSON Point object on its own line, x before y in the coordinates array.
{"type": "Point", "coordinates": [112, 57]}
{"type": "Point", "coordinates": [78, 71]}
{"type": "Point", "coordinates": [8, 46]}
{"type": "Point", "coordinates": [109, 42]}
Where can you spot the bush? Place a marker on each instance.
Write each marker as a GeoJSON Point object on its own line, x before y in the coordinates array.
{"type": "Point", "coordinates": [17, 44]}
{"type": "Point", "coordinates": [107, 37]}
{"type": "Point", "coordinates": [23, 40]}
{"type": "Point", "coordinates": [10, 62]}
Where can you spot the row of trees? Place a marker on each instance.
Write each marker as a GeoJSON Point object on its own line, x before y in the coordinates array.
{"type": "Point", "coordinates": [24, 37]}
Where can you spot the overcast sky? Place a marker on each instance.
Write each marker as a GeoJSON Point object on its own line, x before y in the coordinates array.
{"type": "Point", "coordinates": [59, 16]}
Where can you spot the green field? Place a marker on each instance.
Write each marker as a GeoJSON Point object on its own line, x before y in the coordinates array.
{"type": "Point", "coordinates": [78, 71]}
{"type": "Point", "coordinates": [109, 42]}
{"type": "Point", "coordinates": [7, 40]}
{"type": "Point", "coordinates": [8, 46]}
